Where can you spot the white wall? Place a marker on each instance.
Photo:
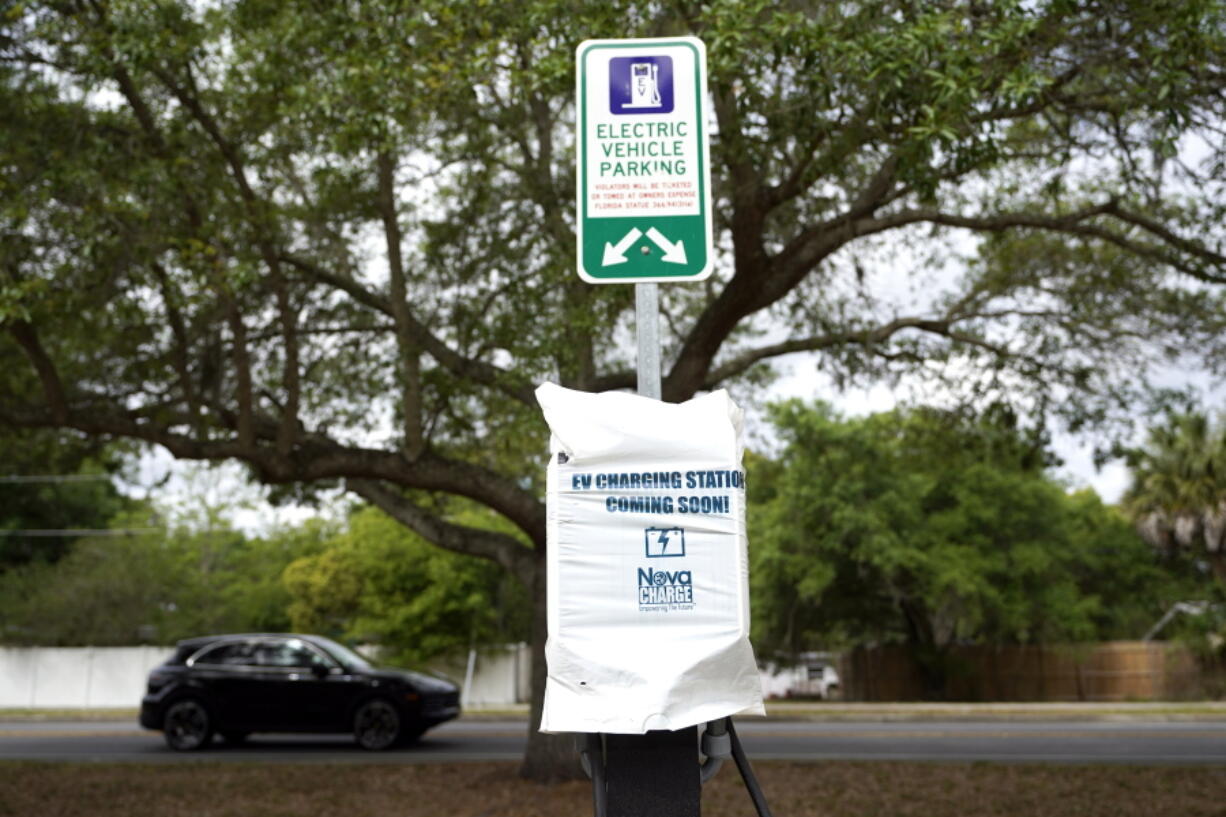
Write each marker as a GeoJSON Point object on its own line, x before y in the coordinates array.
{"type": "Point", "coordinates": [501, 676]}
{"type": "Point", "coordinates": [75, 677]}
{"type": "Point", "coordinates": [104, 677]}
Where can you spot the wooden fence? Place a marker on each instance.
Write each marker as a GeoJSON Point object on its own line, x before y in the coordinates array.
{"type": "Point", "coordinates": [1110, 671]}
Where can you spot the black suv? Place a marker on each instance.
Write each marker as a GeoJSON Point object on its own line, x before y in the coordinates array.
{"type": "Point", "coordinates": [234, 685]}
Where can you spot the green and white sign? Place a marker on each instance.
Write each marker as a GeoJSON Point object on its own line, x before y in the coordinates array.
{"type": "Point", "coordinates": [643, 182]}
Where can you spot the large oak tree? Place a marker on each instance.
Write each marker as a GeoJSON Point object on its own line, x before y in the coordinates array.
{"type": "Point", "coordinates": [334, 240]}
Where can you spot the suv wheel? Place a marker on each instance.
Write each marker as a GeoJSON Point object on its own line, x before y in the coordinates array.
{"type": "Point", "coordinates": [376, 725]}
{"type": "Point", "coordinates": [186, 725]}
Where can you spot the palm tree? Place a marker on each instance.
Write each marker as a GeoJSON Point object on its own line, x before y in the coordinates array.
{"type": "Point", "coordinates": [1178, 494]}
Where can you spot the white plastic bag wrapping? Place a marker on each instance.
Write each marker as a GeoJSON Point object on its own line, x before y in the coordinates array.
{"type": "Point", "coordinates": [648, 588]}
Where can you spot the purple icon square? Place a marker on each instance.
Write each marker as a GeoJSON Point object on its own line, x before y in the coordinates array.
{"type": "Point", "coordinates": [639, 85]}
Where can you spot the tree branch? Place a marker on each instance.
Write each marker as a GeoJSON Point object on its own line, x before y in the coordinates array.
{"type": "Point", "coordinates": [53, 387]}
{"type": "Point", "coordinates": [229, 153]}
{"type": "Point", "coordinates": [867, 337]}
{"type": "Point", "coordinates": [242, 369]}
{"type": "Point", "coordinates": [290, 369]}
{"type": "Point", "coordinates": [410, 354]}
{"type": "Point", "coordinates": [368, 298]}
{"type": "Point", "coordinates": [500, 548]}
{"type": "Point", "coordinates": [178, 329]}
{"type": "Point", "coordinates": [760, 281]}
{"type": "Point", "coordinates": [942, 326]}
{"type": "Point", "coordinates": [462, 367]}
{"type": "Point", "coordinates": [1159, 230]}
{"type": "Point", "coordinates": [188, 96]}
{"type": "Point", "coordinates": [1076, 223]}
{"type": "Point", "coordinates": [140, 109]}
{"type": "Point", "coordinates": [315, 457]}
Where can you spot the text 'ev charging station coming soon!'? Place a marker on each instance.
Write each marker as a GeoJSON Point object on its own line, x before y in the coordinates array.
{"type": "Point", "coordinates": [647, 563]}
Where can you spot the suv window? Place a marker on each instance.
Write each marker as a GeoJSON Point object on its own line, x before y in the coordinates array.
{"type": "Point", "coordinates": [234, 653]}
{"type": "Point", "coordinates": [181, 654]}
{"type": "Point", "coordinates": [291, 653]}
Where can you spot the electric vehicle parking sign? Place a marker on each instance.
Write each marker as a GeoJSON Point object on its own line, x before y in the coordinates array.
{"type": "Point", "coordinates": [643, 181]}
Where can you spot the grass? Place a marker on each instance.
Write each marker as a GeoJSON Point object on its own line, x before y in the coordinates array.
{"type": "Point", "coordinates": [1145, 711]}
{"type": "Point", "coordinates": [842, 789]}
{"type": "Point", "coordinates": [79, 714]}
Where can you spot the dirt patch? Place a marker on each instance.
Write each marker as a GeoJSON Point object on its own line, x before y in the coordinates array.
{"type": "Point", "coordinates": [493, 790]}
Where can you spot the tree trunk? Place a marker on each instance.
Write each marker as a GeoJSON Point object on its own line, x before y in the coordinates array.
{"type": "Point", "coordinates": [929, 657]}
{"type": "Point", "coordinates": [548, 758]}
{"type": "Point", "coordinates": [1217, 563]}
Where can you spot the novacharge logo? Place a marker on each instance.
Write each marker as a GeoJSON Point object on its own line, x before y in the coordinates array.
{"type": "Point", "coordinates": [665, 587]}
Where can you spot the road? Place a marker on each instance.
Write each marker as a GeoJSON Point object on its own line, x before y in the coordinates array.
{"type": "Point", "coordinates": [1139, 742]}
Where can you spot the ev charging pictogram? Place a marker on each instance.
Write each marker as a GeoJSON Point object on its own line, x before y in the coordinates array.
{"type": "Point", "coordinates": [664, 543]}
{"type": "Point", "coordinates": [641, 85]}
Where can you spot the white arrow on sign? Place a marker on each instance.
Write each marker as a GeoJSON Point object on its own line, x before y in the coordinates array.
{"type": "Point", "coordinates": [616, 254]}
{"type": "Point", "coordinates": [673, 253]}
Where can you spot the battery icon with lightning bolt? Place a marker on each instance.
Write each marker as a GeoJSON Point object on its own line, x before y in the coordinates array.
{"type": "Point", "coordinates": [662, 543]}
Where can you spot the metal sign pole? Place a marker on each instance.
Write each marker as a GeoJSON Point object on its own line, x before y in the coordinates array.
{"type": "Point", "coordinates": [644, 220]}
{"type": "Point", "coordinates": [647, 331]}
{"type": "Point", "coordinates": [656, 774]}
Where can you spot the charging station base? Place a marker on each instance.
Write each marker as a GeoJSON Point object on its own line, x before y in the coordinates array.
{"type": "Point", "coordinates": [653, 775]}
